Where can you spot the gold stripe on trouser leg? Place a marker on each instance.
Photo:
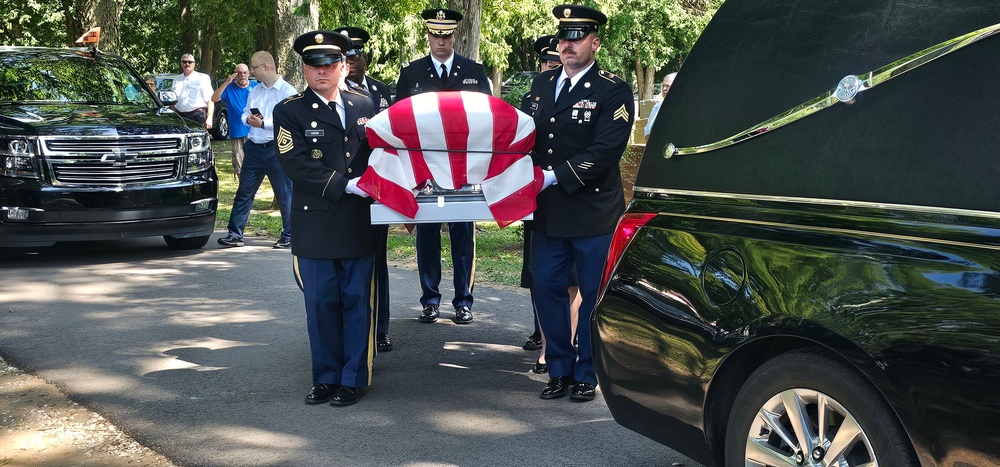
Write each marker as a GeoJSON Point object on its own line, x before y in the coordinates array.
{"type": "Point", "coordinates": [472, 272]}
{"type": "Point", "coordinates": [295, 270]}
{"type": "Point", "coordinates": [372, 323]}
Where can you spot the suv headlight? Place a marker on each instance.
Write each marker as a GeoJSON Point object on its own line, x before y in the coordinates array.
{"type": "Point", "coordinates": [199, 157]}
{"type": "Point", "coordinates": [18, 158]}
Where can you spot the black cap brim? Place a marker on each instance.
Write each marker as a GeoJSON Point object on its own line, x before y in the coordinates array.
{"type": "Point", "coordinates": [550, 57]}
{"type": "Point", "coordinates": [321, 59]}
{"type": "Point", "coordinates": [573, 34]}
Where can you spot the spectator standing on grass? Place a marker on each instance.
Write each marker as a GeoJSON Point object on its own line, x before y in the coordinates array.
{"type": "Point", "coordinates": [194, 94]}
{"type": "Point", "coordinates": [667, 81]}
{"type": "Point", "coordinates": [259, 154]}
{"type": "Point", "coordinates": [234, 93]}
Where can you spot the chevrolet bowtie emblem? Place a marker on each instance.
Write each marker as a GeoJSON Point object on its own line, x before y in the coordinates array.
{"type": "Point", "coordinates": [621, 113]}
{"type": "Point", "coordinates": [440, 14]}
{"type": "Point", "coordinates": [319, 38]}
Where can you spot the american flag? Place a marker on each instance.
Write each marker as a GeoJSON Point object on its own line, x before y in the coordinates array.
{"type": "Point", "coordinates": [454, 138]}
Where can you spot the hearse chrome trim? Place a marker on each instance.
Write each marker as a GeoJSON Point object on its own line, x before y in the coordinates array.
{"type": "Point", "coordinates": [823, 201]}
{"type": "Point", "coordinates": [846, 91]}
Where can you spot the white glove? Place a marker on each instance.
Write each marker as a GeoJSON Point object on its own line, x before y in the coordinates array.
{"type": "Point", "coordinates": [549, 179]}
{"type": "Point", "coordinates": [352, 188]}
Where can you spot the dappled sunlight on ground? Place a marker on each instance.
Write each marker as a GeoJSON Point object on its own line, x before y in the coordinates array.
{"type": "Point", "coordinates": [216, 317]}
{"type": "Point", "coordinates": [478, 423]}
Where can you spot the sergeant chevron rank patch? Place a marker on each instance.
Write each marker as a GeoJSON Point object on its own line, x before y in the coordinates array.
{"type": "Point", "coordinates": [621, 113]}
{"type": "Point", "coordinates": [284, 140]}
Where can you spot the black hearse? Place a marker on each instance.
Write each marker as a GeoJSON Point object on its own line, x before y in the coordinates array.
{"type": "Point", "coordinates": [808, 273]}
{"type": "Point", "coordinates": [87, 152]}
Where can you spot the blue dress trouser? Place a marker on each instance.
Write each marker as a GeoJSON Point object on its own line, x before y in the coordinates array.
{"type": "Point", "coordinates": [339, 318]}
{"type": "Point", "coordinates": [260, 160]}
{"type": "Point", "coordinates": [381, 291]}
{"type": "Point", "coordinates": [552, 264]}
{"type": "Point", "coordinates": [463, 258]}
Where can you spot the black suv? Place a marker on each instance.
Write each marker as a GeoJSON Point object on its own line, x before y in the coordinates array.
{"type": "Point", "coordinates": [87, 152]}
{"type": "Point", "coordinates": [808, 273]}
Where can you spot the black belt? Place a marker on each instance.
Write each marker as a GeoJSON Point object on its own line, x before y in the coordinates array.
{"type": "Point", "coordinates": [263, 145]}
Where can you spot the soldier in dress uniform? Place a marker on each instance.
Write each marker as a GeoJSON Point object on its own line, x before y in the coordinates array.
{"type": "Point", "coordinates": [379, 94]}
{"type": "Point", "coordinates": [444, 70]}
{"type": "Point", "coordinates": [321, 144]}
{"type": "Point", "coordinates": [583, 117]}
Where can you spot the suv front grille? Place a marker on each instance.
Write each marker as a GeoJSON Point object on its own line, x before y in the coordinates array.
{"type": "Point", "coordinates": [90, 172]}
{"type": "Point", "coordinates": [112, 161]}
{"type": "Point", "coordinates": [123, 145]}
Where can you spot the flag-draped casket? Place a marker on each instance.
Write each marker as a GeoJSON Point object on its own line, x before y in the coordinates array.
{"type": "Point", "coordinates": [456, 139]}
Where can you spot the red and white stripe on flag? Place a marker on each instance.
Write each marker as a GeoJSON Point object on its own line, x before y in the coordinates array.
{"type": "Point", "coordinates": [454, 138]}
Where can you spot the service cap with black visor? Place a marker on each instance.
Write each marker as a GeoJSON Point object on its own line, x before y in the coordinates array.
{"type": "Point", "coordinates": [322, 47]}
{"type": "Point", "coordinates": [576, 21]}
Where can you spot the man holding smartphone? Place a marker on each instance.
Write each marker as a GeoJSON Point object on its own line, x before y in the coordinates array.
{"type": "Point", "coordinates": [259, 157]}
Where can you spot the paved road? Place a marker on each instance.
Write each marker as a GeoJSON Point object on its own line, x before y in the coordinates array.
{"type": "Point", "coordinates": [203, 357]}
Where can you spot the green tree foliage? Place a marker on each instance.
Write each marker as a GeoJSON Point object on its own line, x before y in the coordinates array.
{"type": "Point", "coordinates": [643, 36]}
{"type": "Point", "coordinates": [395, 26]}
{"type": "Point", "coordinates": [33, 23]}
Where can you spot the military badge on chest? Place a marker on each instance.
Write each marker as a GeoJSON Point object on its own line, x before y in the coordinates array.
{"type": "Point", "coordinates": [316, 154]}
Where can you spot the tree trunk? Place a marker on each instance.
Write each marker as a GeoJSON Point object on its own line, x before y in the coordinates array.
{"type": "Point", "coordinates": [289, 25]}
{"type": "Point", "coordinates": [468, 32]}
{"type": "Point", "coordinates": [644, 80]}
{"type": "Point", "coordinates": [496, 76]}
{"type": "Point", "coordinates": [187, 31]}
{"type": "Point", "coordinates": [209, 61]}
{"type": "Point", "coordinates": [74, 28]}
{"type": "Point", "coordinates": [265, 35]}
{"type": "Point", "coordinates": [103, 13]}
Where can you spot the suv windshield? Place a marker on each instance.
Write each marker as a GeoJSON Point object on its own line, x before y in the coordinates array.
{"type": "Point", "coordinates": [68, 77]}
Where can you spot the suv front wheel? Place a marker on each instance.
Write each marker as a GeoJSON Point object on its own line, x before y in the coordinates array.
{"type": "Point", "coordinates": [190, 243]}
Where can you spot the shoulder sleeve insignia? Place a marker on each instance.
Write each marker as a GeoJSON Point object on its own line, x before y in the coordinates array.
{"type": "Point", "coordinates": [621, 113]}
{"type": "Point", "coordinates": [284, 140]}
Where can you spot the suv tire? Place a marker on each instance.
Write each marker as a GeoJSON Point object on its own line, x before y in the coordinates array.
{"type": "Point", "coordinates": [220, 127]}
{"type": "Point", "coordinates": [189, 243]}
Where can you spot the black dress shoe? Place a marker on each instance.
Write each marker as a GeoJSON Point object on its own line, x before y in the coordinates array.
{"type": "Point", "coordinates": [230, 240]}
{"type": "Point", "coordinates": [429, 315]}
{"type": "Point", "coordinates": [557, 387]}
{"type": "Point", "coordinates": [347, 395]}
{"type": "Point", "coordinates": [283, 243]}
{"type": "Point", "coordinates": [463, 315]}
{"type": "Point", "coordinates": [540, 368]}
{"type": "Point", "coordinates": [383, 343]}
{"type": "Point", "coordinates": [533, 342]}
{"type": "Point", "coordinates": [583, 392]}
{"type": "Point", "coordinates": [321, 393]}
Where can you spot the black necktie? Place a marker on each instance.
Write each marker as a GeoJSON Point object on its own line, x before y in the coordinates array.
{"type": "Point", "coordinates": [333, 107]}
{"type": "Point", "coordinates": [444, 75]}
{"type": "Point", "coordinates": [564, 91]}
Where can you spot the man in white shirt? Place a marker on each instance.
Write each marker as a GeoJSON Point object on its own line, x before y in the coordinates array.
{"type": "Point", "coordinates": [259, 158]}
{"type": "Point", "coordinates": [194, 94]}
{"type": "Point", "coordinates": [667, 81]}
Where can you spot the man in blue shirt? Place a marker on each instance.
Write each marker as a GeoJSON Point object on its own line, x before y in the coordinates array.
{"type": "Point", "coordinates": [234, 93]}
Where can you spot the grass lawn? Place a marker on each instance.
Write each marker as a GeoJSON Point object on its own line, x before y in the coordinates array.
{"type": "Point", "coordinates": [498, 251]}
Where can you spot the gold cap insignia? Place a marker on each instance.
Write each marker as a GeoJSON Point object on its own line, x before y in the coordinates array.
{"type": "Point", "coordinates": [319, 38]}
{"type": "Point", "coordinates": [284, 140]}
{"type": "Point", "coordinates": [316, 154]}
{"type": "Point", "coordinates": [440, 14]}
{"type": "Point", "coordinates": [567, 12]}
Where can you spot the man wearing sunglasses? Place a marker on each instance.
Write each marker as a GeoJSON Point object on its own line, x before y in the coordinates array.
{"type": "Point", "coordinates": [194, 94]}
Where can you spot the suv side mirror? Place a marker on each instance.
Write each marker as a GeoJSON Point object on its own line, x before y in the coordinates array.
{"type": "Point", "coordinates": [168, 97]}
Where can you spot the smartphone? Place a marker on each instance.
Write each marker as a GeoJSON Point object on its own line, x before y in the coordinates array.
{"type": "Point", "coordinates": [256, 112]}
